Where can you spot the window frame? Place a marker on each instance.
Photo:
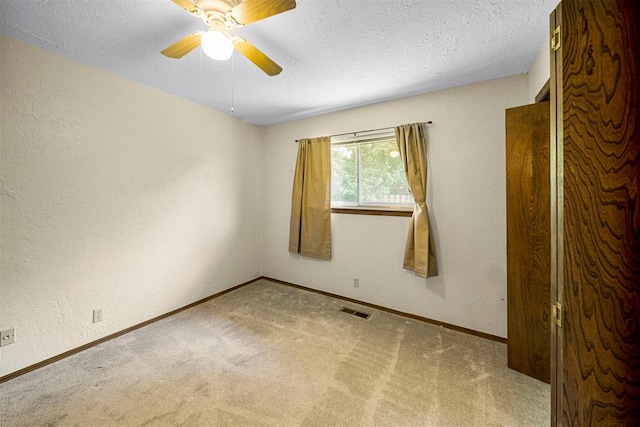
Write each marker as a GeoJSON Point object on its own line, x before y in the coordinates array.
{"type": "Point", "coordinates": [359, 208]}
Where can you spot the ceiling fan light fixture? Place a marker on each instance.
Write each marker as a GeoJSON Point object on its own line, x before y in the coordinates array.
{"type": "Point", "coordinates": [216, 45]}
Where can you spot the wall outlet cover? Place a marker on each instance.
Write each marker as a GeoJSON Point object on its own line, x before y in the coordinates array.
{"type": "Point", "coordinates": [7, 337]}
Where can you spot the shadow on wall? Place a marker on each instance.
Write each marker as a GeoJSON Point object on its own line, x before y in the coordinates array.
{"type": "Point", "coordinates": [164, 238]}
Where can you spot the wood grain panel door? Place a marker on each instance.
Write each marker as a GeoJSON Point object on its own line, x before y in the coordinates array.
{"type": "Point", "coordinates": [528, 239]}
{"type": "Point", "coordinates": [599, 134]}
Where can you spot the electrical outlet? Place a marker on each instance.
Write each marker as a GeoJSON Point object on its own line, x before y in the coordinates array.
{"type": "Point", "coordinates": [97, 315]}
{"type": "Point", "coordinates": [7, 337]}
{"type": "Point", "coordinates": [356, 282]}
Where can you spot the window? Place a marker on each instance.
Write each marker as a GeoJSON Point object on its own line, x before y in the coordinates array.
{"type": "Point", "coordinates": [367, 172]}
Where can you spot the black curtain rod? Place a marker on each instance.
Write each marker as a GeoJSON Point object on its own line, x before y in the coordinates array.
{"type": "Point", "coordinates": [362, 131]}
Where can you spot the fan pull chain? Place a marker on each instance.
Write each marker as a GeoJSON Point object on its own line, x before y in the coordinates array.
{"type": "Point", "coordinates": [232, 78]}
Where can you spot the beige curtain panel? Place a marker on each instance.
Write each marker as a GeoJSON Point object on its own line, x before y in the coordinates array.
{"type": "Point", "coordinates": [310, 227]}
{"type": "Point", "coordinates": [419, 255]}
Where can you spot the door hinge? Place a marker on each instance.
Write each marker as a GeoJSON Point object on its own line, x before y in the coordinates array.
{"type": "Point", "coordinates": [557, 313]}
{"type": "Point", "coordinates": [555, 40]}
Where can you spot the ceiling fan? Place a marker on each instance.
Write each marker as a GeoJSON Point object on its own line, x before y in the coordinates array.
{"type": "Point", "coordinates": [221, 16]}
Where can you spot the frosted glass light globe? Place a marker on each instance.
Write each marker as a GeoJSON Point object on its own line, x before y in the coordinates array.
{"type": "Point", "coordinates": [216, 45]}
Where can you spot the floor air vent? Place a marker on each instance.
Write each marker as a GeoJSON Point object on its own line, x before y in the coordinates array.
{"type": "Point", "coordinates": [355, 313]}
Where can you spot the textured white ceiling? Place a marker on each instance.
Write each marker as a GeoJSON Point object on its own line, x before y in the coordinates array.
{"type": "Point", "coordinates": [336, 54]}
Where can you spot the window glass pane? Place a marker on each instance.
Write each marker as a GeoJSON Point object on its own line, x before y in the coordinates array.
{"type": "Point", "coordinates": [382, 179]}
{"type": "Point", "coordinates": [344, 174]}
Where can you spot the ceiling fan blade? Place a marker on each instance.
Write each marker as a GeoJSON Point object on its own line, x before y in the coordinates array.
{"type": "Point", "coordinates": [187, 5]}
{"type": "Point", "coordinates": [183, 46]}
{"type": "Point", "coordinates": [261, 60]}
{"type": "Point", "coordinates": [254, 10]}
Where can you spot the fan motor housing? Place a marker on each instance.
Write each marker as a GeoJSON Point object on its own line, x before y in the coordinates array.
{"type": "Point", "coordinates": [220, 6]}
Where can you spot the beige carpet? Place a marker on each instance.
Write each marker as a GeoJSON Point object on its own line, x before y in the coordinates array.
{"type": "Point", "coordinates": [269, 354]}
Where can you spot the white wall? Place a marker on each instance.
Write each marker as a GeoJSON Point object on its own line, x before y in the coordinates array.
{"type": "Point", "coordinates": [466, 196]}
{"type": "Point", "coordinates": [117, 196]}
{"type": "Point", "coordinates": [540, 71]}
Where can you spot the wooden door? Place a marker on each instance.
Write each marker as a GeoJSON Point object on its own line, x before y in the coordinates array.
{"type": "Point", "coordinates": [598, 200]}
{"type": "Point", "coordinates": [528, 240]}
